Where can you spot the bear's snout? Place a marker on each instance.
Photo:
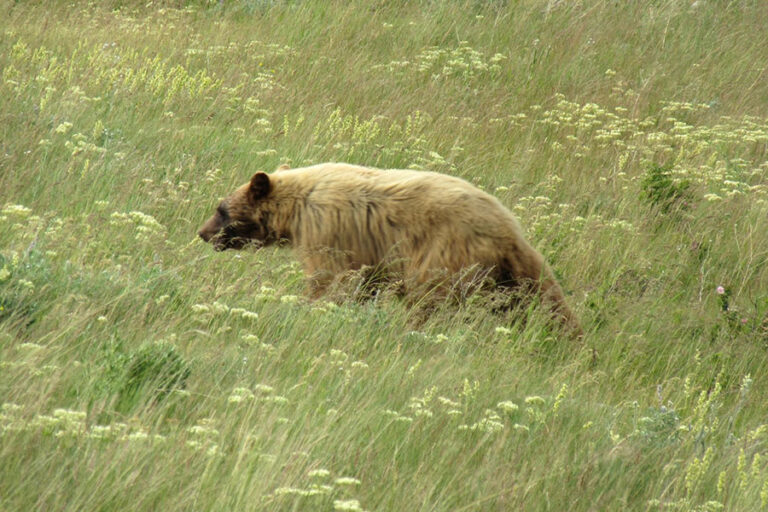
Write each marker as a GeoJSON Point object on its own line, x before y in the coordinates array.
{"type": "Point", "coordinates": [210, 229]}
{"type": "Point", "coordinates": [206, 234]}
{"type": "Point", "coordinates": [213, 238]}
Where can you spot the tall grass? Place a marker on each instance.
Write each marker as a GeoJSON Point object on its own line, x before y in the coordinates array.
{"type": "Point", "coordinates": [139, 370]}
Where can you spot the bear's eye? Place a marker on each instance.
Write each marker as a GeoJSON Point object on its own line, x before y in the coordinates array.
{"type": "Point", "coordinates": [222, 212]}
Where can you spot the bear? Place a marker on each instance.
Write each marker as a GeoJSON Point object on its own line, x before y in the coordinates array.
{"type": "Point", "coordinates": [414, 225]}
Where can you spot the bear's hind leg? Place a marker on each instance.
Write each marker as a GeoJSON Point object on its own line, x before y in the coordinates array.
{"type": "Point", "coordinates": [528, 273]}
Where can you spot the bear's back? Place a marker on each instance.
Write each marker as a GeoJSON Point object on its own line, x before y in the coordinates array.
{"type": "Point", "coordinates": [428, 192]}
{"type": "Point", "coordinates": [366, 212]}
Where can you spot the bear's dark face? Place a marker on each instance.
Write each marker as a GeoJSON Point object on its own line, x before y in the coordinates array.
{"type": "Point", "coordinates": [241, 219]}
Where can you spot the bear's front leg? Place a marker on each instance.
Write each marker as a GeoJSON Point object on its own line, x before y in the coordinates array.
{"type": "Point", "coordinates": [318, 283]}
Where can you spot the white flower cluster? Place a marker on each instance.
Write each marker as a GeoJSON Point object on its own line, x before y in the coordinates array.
{"type": "Point", "coordinates": [221, 309]}
{"type": "Point", "coordinates": [462, 61]}
{"type": "Point", "coordinates": [341, 485]}
{"type": "Point", "coordinates": [262, 393]}
{"type": "Point", "coordinates": [146, 226]}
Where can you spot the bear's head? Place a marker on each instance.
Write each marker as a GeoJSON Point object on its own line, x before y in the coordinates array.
{"type": "Point", "coordinates": [242, 218]}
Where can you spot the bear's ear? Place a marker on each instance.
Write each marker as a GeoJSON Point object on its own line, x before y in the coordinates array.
{"type": "Point", "coordinates": [260, 186]}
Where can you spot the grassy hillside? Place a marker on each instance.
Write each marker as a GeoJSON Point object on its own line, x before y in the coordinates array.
{"type": "Point", "coordinates": [139, 370]}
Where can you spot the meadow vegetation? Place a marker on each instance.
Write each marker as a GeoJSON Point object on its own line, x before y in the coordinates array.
{"type": "Point", "coordinates": [139, 370]}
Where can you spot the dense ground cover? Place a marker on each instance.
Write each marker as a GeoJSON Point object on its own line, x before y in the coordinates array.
{"type": "Point", "coordinates": [139, 370]}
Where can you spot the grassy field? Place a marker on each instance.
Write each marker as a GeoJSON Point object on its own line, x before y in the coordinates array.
{"type": "Point", "coordinates": [139, 370]}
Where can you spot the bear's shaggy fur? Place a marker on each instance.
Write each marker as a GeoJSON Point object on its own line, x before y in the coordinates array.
{"type": "Point", "coordinates": [411, 224]}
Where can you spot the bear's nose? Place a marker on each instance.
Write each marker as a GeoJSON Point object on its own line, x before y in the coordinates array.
{"type": "Point", "coordinates": [205, 236]}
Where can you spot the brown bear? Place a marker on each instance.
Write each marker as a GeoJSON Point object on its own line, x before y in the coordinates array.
{"type": "Point", "coordinates": [413, 224]}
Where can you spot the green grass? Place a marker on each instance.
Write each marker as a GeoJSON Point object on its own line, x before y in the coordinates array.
{"type": "Point", "coordinates": [139, 370]}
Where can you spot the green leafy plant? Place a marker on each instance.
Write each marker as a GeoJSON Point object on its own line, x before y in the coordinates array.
{"type": "Point", "coordinates": [153, 370]}
{"type": "Point", "coordinates": [659, 426]}
{"type": "Point", "coordinates": [662, 191]}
